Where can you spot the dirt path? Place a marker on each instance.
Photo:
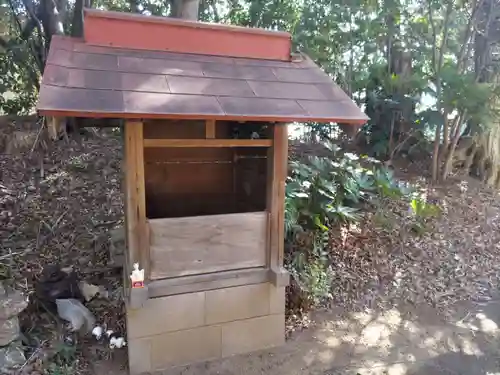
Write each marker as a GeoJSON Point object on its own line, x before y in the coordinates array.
{"type": "Point", "coordinates": [389, 343]}
{"type": "Point", "coordinates": [376, 344]}
{"type": "Point", "coordinates": [457, 261]}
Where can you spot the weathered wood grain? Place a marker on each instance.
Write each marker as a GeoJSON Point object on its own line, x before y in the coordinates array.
{"type": "Point", "coordinates": [136, 227]}
{"type": "Point", "coordinates": [208, 281]}
{"type": "Point", "coordinates": [210, 129]}
{"type": "Point", "coordinates": [277, 172]}
{"type": "Point", "coordinates": [204, 244]}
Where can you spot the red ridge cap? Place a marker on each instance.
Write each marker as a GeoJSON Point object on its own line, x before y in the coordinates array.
{"type": "Point", "coordinates": [134, 31]}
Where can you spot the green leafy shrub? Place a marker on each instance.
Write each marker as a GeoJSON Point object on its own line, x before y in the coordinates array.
{"type": "Point", "coordinates": [18, 90]}
{"type": "Point", "coordinates": [323, 194]}
{"type": "Point", "coordinates": [422, 211]}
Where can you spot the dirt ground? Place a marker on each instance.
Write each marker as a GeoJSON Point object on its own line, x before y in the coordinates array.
{"type": "Point", "coordinates": [394, 342]}
{"type": "Point", "coordinates": [59, 205]}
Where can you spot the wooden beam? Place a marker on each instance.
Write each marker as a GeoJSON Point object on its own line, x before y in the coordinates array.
{"type": "Point", "coordinates": [208, 143]}
{"type": "Point", "coordinates": [277, 169]}
{"type": "Point", "coordinates": [159, 116]}
{"type": "Point", "coordinates": [210, 281]}
{"type": "Point", "coordinates": [210, 129]}
{"type": "Point", "coordinates": [136, 225]}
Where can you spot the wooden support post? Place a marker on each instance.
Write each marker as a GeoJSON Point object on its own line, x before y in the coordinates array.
{"type": "Point", "coordinates": [210, 129]}
{"type": "Point", "coordinates": [54, 125]}
{"type": "Point", "coordinates": [135, 203]}
{"type": "Point", "coordinates": [277, 173]}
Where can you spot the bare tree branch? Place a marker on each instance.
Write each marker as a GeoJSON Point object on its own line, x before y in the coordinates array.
{"type": "Point", "coordinates": [213, 5]}
{"type": "Point", "coordinates": [14, 13]}
{"type": "Point", "coordinates": [28, 28]}
{"type": "Point", "coordinates": [3, 43]}
{"type": "Point", "coordinates": [469, 33]}
{"type": "Point", "coordinates": [34, 21]}
{"type": "Point", "coordinates": [434, 34]}
{"type": "Point", "coordinates": [25, 33]}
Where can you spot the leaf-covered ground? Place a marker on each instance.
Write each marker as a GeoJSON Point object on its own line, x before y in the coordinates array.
{"type": "Point", "coordinates": [456, 259]}
{"type": "Point", "coordinates": [382, 262]}
{"type": "Point", "coordinates": [59, 204]}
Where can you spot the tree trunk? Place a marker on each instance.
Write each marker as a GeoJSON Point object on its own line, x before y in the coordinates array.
{"type": "Point", "coordinates": [77, 27]}
{"type": "Point", "coordinates": [51, 19]}
{"type": "Point", "coordinates": [457, 125]}
{"type": "Point", "coordinates": [482, 60]}
{"type": "Point", "coordinates": [436, 155]}
{"type": "Point", "coordinates": [134, 6]}
{"type": "Point", "coordinates": [185, 9]}
{"type": "Point", "coordinates": [446, 138]}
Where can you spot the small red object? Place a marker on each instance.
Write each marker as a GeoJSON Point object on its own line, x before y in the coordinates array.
{"type": "Point", "coordinates": [138, 284]}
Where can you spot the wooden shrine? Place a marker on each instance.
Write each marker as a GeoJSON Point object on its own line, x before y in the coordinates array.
{"type": "Point", "coordinates": [205, 110]}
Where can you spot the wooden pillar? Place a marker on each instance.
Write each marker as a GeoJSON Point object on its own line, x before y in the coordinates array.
{"type": "Point", "coordinates": [277, 169]}
{"type": "Point", "coordinates": [54, 125]}
{"type": "Point", "coordinates": [135, 202]}
{"type": "Point", "coordinates": [210, 129]}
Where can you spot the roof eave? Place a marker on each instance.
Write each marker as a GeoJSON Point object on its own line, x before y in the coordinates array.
{"type": "Point", "coordinates": [158, 116]}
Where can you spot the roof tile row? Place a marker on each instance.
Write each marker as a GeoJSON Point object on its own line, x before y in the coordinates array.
{"type": "Point", "coordinates": [88, 80]}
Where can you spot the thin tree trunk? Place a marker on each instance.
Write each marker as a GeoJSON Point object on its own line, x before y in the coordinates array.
{"type": "Point", "coordinates": [451, 152]}
{"type": "Point", "coordinates": [469, 33]}
{"type": "Point", "coordinates": [77, 27]}
{"type": "Point", "coordinates": [435, 153]}
{"type": "Point", "coordinates": [391, 134]}
{"type": "Point", "coordinates": [213, 5]}
{"type": "Point", "coordinates": [437, 69]}
{"type": "Point", "coordinates": [483, 51]}
{"type": "Point", "coordinates": [446, 137]}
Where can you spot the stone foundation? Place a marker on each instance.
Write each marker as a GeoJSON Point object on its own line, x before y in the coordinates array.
{"type": "Point", "coordinates": [194, 327]}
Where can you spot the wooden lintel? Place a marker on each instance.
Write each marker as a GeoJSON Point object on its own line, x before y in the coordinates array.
{"type": "Point", "coordinates": [136, 225]}
{"type": "Point", "coordinates": [208, 143]}
{"type": "Point", "coordinates": [276, 178]}
{"type": "Point", "coordinates": [210, 129]}
{"type": "Point", "coordinates": [210, 281]}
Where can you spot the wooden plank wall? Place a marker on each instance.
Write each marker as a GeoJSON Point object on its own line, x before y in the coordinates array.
{"type": "Point", "coordinates": [250, 174]}
{"type": "Point", "coordinates": [187, 188]}
{"type": "Point", "coordinates": [174, 129]}
{"type": "Point", "coordinates": [198, 245]}
{"type": "Point", "coordinates": [176, 186]}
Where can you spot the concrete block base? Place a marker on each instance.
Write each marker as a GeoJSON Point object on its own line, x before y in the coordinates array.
{"type": "Point", "coordinates": [195, 327]}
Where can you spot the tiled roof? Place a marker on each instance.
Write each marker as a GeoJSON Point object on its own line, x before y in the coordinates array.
{"type": "Point", "coordinates": [93, 81]}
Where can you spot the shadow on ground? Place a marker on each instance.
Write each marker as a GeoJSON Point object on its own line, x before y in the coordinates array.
{"type": "Point", "coordinates": [392, 342]}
